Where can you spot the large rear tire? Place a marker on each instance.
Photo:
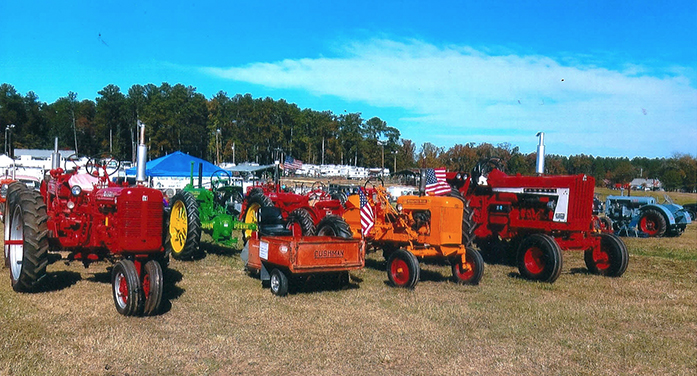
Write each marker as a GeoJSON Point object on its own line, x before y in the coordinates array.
{"type": "Point", "coordinates": [184, 233]}
{"type": "Point", "coordinates": [403, 269]}
{"type": "Point", "coordinates": [468, 225]}
{"type": "Point", "coordinates": [333, 225]}
{"type": "Point", "coordinates": [10, 197]}
{"type": "Point", "coordinates": [125, 288]}
{"type": "Point", "coordinates": [26, 239]}
{"type": "Point", "coordinates": [303, 220]}
{"type": "Point", "coordinates": [470, 272]}
{"type": "Point", "coordinates": [611, 259]}
{"type": "Point", "coordinates": [652, 223]}
{"type": "Point", "coordinates": [255, 200]}
{"type": "Point", "coordinates": [540, 258]}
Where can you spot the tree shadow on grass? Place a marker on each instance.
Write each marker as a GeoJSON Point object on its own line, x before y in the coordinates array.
{"type": "Point", "coordinates": [322, 282]}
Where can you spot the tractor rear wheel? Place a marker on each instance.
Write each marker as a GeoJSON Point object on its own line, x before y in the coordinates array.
{"type": "Point", "coordinates": [153, 282]}
{"type": "Point", "coordinates": [255, 200]}
{"type": "Point", "coordinates": [403, 269]}
{"type": "Point", "coordinates": [26, 239]}
{"type": "Point", "coordinates": [12, 190]}
{"type": "Point", "coordinates": [652, 223]}
{"type": "Point", "coordinates": [303, 220]}
{"type": "Point", "coordinates": [184, 229]}
{"type": "Point", "coordinates": [279, 283]}
{"type": "Point", "coordinates": [540, 258]}
{"type": "Point", "coordinates": [471, 271]}
{"type": "Point", "coordinates": [468, 224]}
{"type": "Point", "coordinates": [333, 225]}
{"type": "Point", "coordinates": [610, 259]}
{"type": "Point", "coordinates": [125, 287]}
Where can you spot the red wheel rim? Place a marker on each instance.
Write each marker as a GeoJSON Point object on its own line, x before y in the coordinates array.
{"type": "Point", "coordinates": [601, 259]}
{"type": "Point", "coordinates": [647, 224]}
{"type": "Point", "coordinates": [399, 271]}
{"type": "Point", "coordinates": [146, 285]}
{"type": "Point", "coordinates": [465, 271]}
{"type": "Point", "coordinates": [123, 289]}
{"type": "Point", "coordinates": [534, 260]}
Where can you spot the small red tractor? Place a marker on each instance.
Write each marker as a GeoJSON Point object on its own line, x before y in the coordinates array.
{"type": "Point", "coordinates": [309, 208]}
{"type": "Point", "coordinates": [93, 219]}
{"type": "Point", "coordinates": [282, 256]}
{"type": "Point", "coordinates": [533, 218]}
{"type": "Point", "coordinates": [415, 227]}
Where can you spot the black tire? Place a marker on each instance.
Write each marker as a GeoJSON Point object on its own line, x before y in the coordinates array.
{"type": "Point", "coordinates": [652, 223]}
{"type": "Point", "coordinates": [333, 225]}
{"type": "Point", "coordinates": [279, 283]}
{"type": "Point", "coordinates": [475, 268]}
{"type": "Point", "coordinates": [610, 260]}
{"type": "Point", "coordinates": [340, 196]}
{"type": "Point", "coordinates": [184, 227]}
{"type": "Point", "coordinates": [125, 288]}
{"type": "Point", "coordinates": [26, 240]}
{"type": "Point", "coordinates": [255, 201]}
{"type": "Point", "coordinates": [10, 197]}
{"type": "Point", "coordinates": [403, 269]}
{"type": "Point", "coordinates": [153, 285]}
{"type": "Point", "coordinates": [540, 258]}
{"type": "Point", "coordinates": [468, 225]}
{"type": "Point", "coordinates": [303, 219]}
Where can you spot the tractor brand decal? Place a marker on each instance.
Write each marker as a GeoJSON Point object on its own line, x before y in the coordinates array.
{"type": "Point", "coordinates": [326, 253]}
{"type": "Point", "coordinates": [540, 190]}
{"type": "Point", "coordinates": [264, 250]}
{"type": "Point", "coordinates": [417, 201]}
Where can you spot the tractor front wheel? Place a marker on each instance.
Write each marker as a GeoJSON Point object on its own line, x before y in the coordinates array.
{"type": "Point", "coordinates": [471, 271]}
{"type": "Point", "coordinates": [125, 286]}
{"type": "Point", "coordinates": [153, 282]}
{"type": "Point", "coordinates": [610, 259]}
{"type": "Point", "coordinates": [279, 283]}
{"type": "Point", "coordinates": [184, 229]}
{"type": "Point", "coordinates": [403, 269]}
{"type": "Point", "coordinates": [652, 223]}
{"type": "Point", "coordinates": [26, 239]}
{"type": "Point", "coordinates": [540, 258]}
{"type": "Point", "coordinates": [255, 200]}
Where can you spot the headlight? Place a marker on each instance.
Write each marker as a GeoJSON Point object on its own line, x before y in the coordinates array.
{"type": "Point", "coordinates": [76, 190]}
{"type": "Point", "coordinates": [399, 208]}
{"type": "Point", "coordinates": [70, 205]}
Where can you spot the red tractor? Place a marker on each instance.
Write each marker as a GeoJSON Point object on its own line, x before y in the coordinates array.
{"type": "Point", "coordinates": [533, 218]}
{"type": "Point", "coordinates": [305, 209]}
{"type": "Point", "coordinates": [93, 219]}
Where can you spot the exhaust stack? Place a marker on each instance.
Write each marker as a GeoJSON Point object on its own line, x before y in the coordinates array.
{"type": "Point", "coordinates": [55, 156]}
{"type": "Point", "coordinates": [141, 156]}
{"type": "Point", "coordinates": [540, 165]}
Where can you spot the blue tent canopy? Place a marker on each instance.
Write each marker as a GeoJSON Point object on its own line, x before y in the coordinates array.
{"type": "Point", "coordinates": [176, 164]}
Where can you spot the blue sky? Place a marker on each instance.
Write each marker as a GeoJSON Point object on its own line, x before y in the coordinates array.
{"type": "Point", "coordinates": [605, 78]}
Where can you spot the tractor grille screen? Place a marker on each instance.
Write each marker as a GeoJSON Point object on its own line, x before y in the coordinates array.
{"type": "Point", "coordinates": [140, 221]}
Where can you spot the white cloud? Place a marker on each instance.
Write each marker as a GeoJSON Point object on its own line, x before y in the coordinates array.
{"type": "Point", "coordinates": [455, 89]}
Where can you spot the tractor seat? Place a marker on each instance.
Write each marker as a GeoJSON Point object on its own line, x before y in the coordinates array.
{"type": "Point", "coordinates": [271, 222]}
{"type": "Point", "coordinates": [85, 181]}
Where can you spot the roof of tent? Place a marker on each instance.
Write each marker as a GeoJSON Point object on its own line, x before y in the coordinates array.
{"type": "Point", "coordinates": [176, 164]}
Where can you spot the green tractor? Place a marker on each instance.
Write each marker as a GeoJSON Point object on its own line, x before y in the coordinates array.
{"type": "Point", "coordinates": [214, 211]}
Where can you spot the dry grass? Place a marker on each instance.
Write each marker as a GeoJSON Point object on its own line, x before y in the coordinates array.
{"type": "Point", "coordinates": [222, 322]}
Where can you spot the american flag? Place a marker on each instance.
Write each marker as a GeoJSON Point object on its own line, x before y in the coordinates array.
{"type": "Point", "coordinates": [367, 216]}
{"type": "Point", "coordinates": [292, 164]}
{"type": "Point", "coordinates": [435, 182]}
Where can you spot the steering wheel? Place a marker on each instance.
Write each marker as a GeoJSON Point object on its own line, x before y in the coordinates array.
{"type": "Point", "coordinates": [221, 178]}
{"type": "Point", "coordinates": [105, 165]}
{"type": "Point", "coordinates": [73, 159]}
{"type": "Point", "coordinates": [485, 166]}
{"type": "Point", "coordinates": [318, 191]}
{"type": "Point", "coordinates": [382, 183]}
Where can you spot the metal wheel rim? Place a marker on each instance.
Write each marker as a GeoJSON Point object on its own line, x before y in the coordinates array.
{"type": "Point", "coordinates": [648, 225]}
{"type": "Point", "coordinates": [399, 271]}
{"type": "Point", "coordinates": [461, 273]}
{"type": "Point", "coordinates": [275, 282]}
{"type": "Point", "coordinates": [534, 260]}
{"type": "Point", "coordinates": [16, 251]}
{"type": "Point", "coordinates": [251, 217]}
{"type": "Point", "coordinates": [178, 226]}
{"type": "Point", "coordinates": [121, 290]}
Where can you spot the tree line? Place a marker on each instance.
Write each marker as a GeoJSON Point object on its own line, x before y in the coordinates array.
{"type": "Point", "coordinates": [243, 128]}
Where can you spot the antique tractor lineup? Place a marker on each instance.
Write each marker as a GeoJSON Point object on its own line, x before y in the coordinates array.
{"type": "Point", "coordinates": [80, 214]}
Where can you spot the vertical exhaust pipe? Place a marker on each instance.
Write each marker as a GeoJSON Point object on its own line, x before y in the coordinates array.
{"type": "Point", "coordinates": [55, 156]}
{"type": "Point", "coordinates": [141, 158]}
{"type": "Point", "coordinates": [540, 165]}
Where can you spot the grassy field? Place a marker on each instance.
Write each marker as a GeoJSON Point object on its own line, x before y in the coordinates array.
{"type": "Point", "coordinates": [220, 321]}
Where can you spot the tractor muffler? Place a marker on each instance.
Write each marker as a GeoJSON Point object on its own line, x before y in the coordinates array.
{"type": "Point", "coordinates": [540, 165]}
